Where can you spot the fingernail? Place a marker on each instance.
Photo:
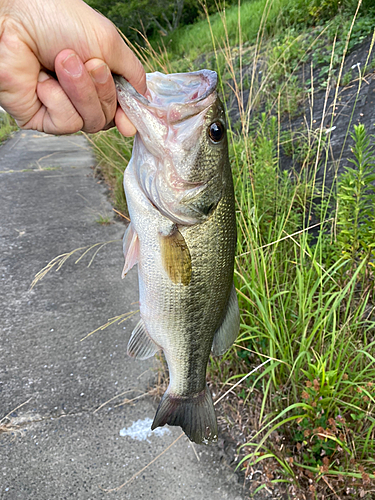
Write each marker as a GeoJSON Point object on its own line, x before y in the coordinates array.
{"type": "Point", "coordinates": [73, 65]}
{"type": "Point", "coordinates": [43, 76]}
{"type": "Point", "coordinates": [100, 73]}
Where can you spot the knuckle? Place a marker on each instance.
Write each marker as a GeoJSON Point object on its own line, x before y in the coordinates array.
{"type": "Point", "coordinates": [109, 100]}
{"type": "Point", "coordinates": [94, 126]}
{"type": "Point", "coordinates": [139, 77]}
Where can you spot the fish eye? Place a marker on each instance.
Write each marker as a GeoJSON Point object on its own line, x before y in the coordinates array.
{"type": "Point", "coordinates": [216, 131]}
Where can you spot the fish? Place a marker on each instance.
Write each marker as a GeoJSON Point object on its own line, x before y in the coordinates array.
{"type": "Point", "coordinates": [182, 235]}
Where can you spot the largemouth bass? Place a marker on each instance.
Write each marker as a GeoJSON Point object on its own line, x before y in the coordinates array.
{"type": "Point", "coordinates": [182, 235]}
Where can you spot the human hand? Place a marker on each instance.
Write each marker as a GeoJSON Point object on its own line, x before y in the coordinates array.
{"type": "Point", "coordinates": [82, 48]}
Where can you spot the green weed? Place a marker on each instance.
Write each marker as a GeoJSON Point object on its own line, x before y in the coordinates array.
{"type": "Point", "coordinates": [7, 126]}
{"type": "Point", "coordinates": [113, 152]}
{"type": "Point", "coordinates": [306, 297]}
{"type": "Point", "coordinates": [356, 203]}
{"type": "Point", "coordinates": [104, 220]}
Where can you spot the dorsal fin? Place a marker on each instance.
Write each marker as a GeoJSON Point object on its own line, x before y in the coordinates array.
{"type": "Point", "coordinates": [227, 332]}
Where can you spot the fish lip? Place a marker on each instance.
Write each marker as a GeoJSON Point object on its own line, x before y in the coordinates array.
{"type": "Point", "coordinates": [210, 76]}
{"type": "Point", "coordinates": [122, 85]}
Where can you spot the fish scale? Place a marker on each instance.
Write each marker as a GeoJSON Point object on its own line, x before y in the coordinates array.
{"type": "Point", "coordinates": [182, 238]}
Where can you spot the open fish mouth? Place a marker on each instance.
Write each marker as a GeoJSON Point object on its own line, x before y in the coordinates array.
{"type": "Point", "coordinates": [175, 96]}
{"type": "Point", "coordinates": [176, 88]}
{"type": "Point", "coordinates": [171, 124]}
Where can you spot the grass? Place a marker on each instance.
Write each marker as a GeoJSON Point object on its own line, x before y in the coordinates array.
{"type": "Point", "coordinates": [104, 220]}
{"type": "Point", "coordinates": [7, 424]}
{"type": "Point", "coordinates": [7, 126]}
{"type": "Point", "coordinates": [269, 19]}
{"type": "Point", "coordinates": [113, 152]}
{"type": "Point", "coordinates": [184, 40]}
{"type": "Point", "coordinates": [89, 252]}
{"type": "Point", "coordinates": [307, 301]}
{"type": "Point", "coordinates": [305, 258]}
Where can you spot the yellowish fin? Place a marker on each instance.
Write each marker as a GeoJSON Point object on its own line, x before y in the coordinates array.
{"type": "Point", "coordinates": [176, 257]}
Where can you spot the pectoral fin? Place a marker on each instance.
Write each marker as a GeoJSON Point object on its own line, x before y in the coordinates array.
{"type": "Point", "coordinates": [141, 345]}
{"type": "Point", "coordinates": [131, 249]}
{"type": "Point", "coordinates": [227, 333]}
{"type": "Point", "coordinates": [176, 257]}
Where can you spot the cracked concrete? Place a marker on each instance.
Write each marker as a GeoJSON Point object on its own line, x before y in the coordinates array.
{"type": "Point", "coordinates": [56, 445]}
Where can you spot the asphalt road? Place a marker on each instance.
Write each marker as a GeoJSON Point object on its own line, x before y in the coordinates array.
{"type": "Point", "coordinates": [58, 443]}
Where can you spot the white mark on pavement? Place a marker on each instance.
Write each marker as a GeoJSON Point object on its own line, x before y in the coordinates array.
{"type": "Point", "coordinates": [141, 430]}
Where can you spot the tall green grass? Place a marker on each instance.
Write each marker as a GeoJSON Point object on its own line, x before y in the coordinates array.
{"type": "Point", "coordinates": [306, 289]}
{"type": "Point", "coordinates": [306, 297]}
{"type": "Point", "coordinates": [315, 323]}
{"type": "Point", "coordinates": [196, 38]}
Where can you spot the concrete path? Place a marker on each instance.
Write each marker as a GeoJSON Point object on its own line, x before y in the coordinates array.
{"type": "Point", "coordinates": [60, 446]}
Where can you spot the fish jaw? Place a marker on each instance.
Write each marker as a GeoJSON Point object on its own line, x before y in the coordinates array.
{"type": "Point", "coordinates": [172, 100]}
{"type": "Point", "coordinates": [172, 132]}
{"type": "Point", "coordinates": [173, 97]}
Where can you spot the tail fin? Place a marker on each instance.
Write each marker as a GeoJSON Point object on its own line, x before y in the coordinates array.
{"type": "Point", "coordinates": [195, 415]}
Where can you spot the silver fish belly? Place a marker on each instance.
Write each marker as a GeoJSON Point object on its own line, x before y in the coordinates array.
{"type": "Point", "coordinates": [182, 235]}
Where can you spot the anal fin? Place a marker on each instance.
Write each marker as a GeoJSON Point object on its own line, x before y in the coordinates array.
{"type": "Point", "coordinates": [141, 345]}
{"type": "Point", "coordinates": [227, 333]}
